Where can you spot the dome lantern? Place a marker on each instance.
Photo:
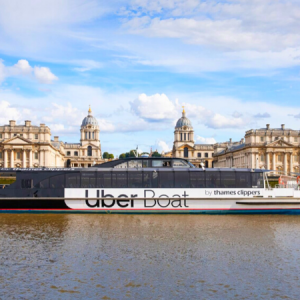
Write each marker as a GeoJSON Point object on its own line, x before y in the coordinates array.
{"type": "Point", "coordinates": [89, 119]}
{"type": "Point", "coordinates": [183, 121]}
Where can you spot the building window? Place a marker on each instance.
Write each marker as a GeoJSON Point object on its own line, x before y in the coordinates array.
{"type": "Point", "coordinates": [185, 136]}
{"type": "Point", "coordinates": [68, 153]}
{"type": "Point", "coordinates": [188, 136]}
{"type": "Point", "coordinates": [0, 135]}
{"type": "Point", "coordinates": [36, 136]}
{"type": "Point", "coordinates": [21, 134]}
{"type": "Point", "coordinates": [0, 154]}
{"type": "Point", "coordinates": [181, 136]}
{"type": "Point", "coordinates": [295, 139]}
{"type": "Point", "coordinates": [36, 155]}
{"type": "Point", "coordinates": [261, 138]}
{"type": "Point", "coordinates": [89, 135]}
{"type": "Point", "coordinates": [18, 155]}
{"type": "Point", "coordinates": [93, 135]}
{"type": "Point", "coordinates": [206, 154]}
{"type": "Point", "coordinates": [15, 134]}
{"type": "Point", "coordinates": [279, 158]}
{"type": "Point", "coordinates": [86, 135]}
{"type": "Point", "coordinates": [186, 152]}
{"type": "Point", "coordinates": [295, 158]}
{"type": "Point", "coordinates": [76, 153]}
{"type": "Point", "coordinates": [199, 154]}
{"type": "Point", "coordinates": [262, 158]}
{"type": "Point", "coordinates": [89, 151]}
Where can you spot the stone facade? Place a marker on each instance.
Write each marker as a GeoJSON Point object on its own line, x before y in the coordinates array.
{"type": "Point", "coordinates": [269, 148]}
{"type": "Point", "coordinates": [184, 144]}
{"type": "Point", "coordinates": [30, 146]}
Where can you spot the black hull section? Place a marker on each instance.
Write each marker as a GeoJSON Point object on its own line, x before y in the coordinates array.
{"type": "Point", "coordinates": [33, 204]}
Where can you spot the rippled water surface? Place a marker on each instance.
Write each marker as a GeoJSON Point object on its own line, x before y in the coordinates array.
{"type": "Point", "coordinates": [149, 257]}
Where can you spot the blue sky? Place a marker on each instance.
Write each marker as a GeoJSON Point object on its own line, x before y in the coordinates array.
{"type": "Point", "coordinates": [233, 64]}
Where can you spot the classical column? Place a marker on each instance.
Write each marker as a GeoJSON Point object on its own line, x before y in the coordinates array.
{"type": "Point", "coordinates": [267, 160]}
{"type": "Point", "coordinates": [291, 162]}
{"type": "Point", "coordinates": [273, 163]}
{"type": "Point", "coordinates": [42, 158]}
{"type": "Point", "coordinates": [5, 158]}
{"type": "Point", "coordinates": [252, 161]}
{"type": "Point", "coordinates": [46, 159]}
{"type": "Point", "coordinates": [30, 158]}
{"type": "Point", "coordinates": [24, 159]}
{"type": "Point", "coordinates": [12, 158]}
{"type": "Point", "coordinates": [285, 163]}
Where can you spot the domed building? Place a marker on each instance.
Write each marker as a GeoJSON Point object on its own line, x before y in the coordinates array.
{"type": "Point", "coordinates": [184, 144]}
{"type": "Point", "coordinates": [88, 151]}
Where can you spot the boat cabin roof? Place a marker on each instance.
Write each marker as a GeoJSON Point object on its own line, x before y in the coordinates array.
{"type": "Point", "coordinates": [135, 163]}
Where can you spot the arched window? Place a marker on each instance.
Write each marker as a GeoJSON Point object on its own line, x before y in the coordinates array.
{"type": "Point", "coordinates": [68, 163]}
{"type": "Point", "coordinates": [93, 135]}
{"type": "Point", "coordinates": [186, 152]}
{"type": "Point", "coordinates": [89, 151]}
{"type": "Point", "coordinates": [206, 164]}
{"type": "Point", "coordinates": [181, 136]}
{"type": "Point", "coordinates": [188, 136]}
{"type": "Point", "coordinates": [185, 136]}
{"type": "Point", "coordinates": [86, 135]}
{"type": "Point", "coordinates": [89, 135]}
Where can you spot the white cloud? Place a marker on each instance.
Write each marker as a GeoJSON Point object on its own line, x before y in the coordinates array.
{"type": "Point", "coordinates": [44, 75]}
{"type": "Point", "coordinates": [106, 126]}
{"type": "Point", "coordinates": [163, 146]}
{"type": "Point", "coordinates": [8, 112]}
{"type": "Point", "coordinates": [229, 35]}
{"type": "Point", "coordinates": [87, 65]}
{"type": "Point", "coordinates": [154, 108]}
{"type": "Point", "coordinates": [262, 115]}
{"type": "Point", "coordinates": [218, 121]}
{"type": "Point", "coordinates": [203, 140]}
{"type": "Point", "coordinates": [23, 68]}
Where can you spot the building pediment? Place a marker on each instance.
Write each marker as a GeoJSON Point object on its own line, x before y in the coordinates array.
{"type": "Point", "coordinates": [280, 143]}
{"type": "Point", "coordinates": [183, 146]}
{"type": "Point", "coordinates": [17, 140]}
{"type": "Point", "coordinates": [89, 144]}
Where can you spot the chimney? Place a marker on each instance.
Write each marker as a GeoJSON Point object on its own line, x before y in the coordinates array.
{"type": "Point", "coordinates": [56, 139]}
{"type": "Point", "coordinates": [268, 126]}
{"type": "Point", "coordinates": [12, 123]}
{"type": "Point", "coordinates": [282, 126]}
{"type": "Point", "coordinates": [42, 125]}
{"type": "Point", "coordinates": [242, 141]}
{"type": "Point", "coordinates": [27, 123]}
{"type": "Point", "coordinates": [230, 140]}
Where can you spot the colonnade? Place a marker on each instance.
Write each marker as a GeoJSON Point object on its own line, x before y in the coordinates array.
{"type": "Point", "coordinates": [26, 158]}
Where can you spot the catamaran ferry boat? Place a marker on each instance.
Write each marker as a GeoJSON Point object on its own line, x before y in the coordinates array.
{"type": "Point", "coordinates": [147, 185]}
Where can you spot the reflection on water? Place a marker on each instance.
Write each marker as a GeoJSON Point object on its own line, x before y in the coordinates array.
{"type": "Point", "coordinates": [149, 257]}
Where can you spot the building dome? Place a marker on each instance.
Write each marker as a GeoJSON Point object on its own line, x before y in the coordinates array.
{"type": "Point", "coordinates": [183, 121]}
{"type": "Point", "coordinates": [89, 119]}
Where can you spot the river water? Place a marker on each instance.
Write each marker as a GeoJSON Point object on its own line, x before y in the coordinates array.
{"type": "Point", "coordinates": [149, 256]}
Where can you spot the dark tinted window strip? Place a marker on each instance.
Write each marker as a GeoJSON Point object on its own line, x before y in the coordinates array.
{"type": "Point", "coordinates": [151, 179]}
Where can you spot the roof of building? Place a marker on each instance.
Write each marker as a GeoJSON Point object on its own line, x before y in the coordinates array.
{"type": "Point", "coordinates": [89, 119]}
{"type": "Point", "coordinates": [55, 144]}
{"type": "Point", "coordinates": [232, 148]}
{"type": "Point", "coordinates": [183, 121]}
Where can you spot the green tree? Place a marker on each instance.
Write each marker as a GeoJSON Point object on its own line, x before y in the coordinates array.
{"type": "Point", "coordinates": [123, 155]}
{"type": "Point", "coordinates": [156, 154]}
{"type": "Point", "coordinates": [111, 156]}
{"type": "Point", "coordinates": [132, 153]}
{"type": "Point", "coordinates": [105, 155]}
